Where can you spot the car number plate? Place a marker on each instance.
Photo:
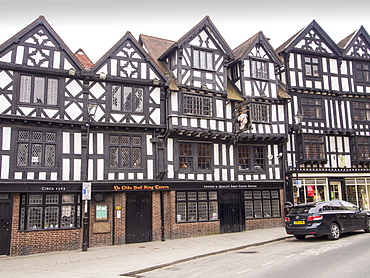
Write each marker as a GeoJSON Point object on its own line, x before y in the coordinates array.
{"type": "Point", "coordinates": [299, 222]}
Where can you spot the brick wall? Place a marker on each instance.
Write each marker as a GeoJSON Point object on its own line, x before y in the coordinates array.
{"type": "Point", "coordinates": [33, 242]}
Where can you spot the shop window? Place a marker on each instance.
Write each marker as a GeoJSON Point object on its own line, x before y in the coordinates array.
{"type": "Point", "coordinates": [310, 190]}
{"type": "Point", "coordinates": [251, 158]}
{"type": "Point", "coordinates": [50, 211]}
{"type": "Point", "coordinates": [36, 148]}
{"type": "Point", "coordinates": [262, 204]}
{"type": "Point", "coordinates": [125, 151]}
{"type": "Point", "coordinates": [193, 206]}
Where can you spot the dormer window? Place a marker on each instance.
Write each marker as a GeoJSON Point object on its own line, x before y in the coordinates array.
{"type": "Point", "coordinates": [203, 59]}
{"type": "Point", "coordinates": [259, 69]}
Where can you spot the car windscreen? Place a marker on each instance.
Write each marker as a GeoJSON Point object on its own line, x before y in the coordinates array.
{"type": "Point", "coordinates": [303, 210]}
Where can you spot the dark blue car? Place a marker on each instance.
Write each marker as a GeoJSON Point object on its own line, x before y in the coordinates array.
{"type": "Point", "coordinates": [330, 218]}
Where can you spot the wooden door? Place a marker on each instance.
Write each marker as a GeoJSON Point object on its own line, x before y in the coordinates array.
{"type": "Point", "coordinates": [5, 227]}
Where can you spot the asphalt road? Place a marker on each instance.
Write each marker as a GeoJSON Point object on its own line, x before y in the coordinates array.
{"type": "Point", "coordinates": [313, 257]}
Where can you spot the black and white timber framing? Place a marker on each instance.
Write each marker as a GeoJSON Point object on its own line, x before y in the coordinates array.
{"type": "Point", "coordinates": [327, 154]}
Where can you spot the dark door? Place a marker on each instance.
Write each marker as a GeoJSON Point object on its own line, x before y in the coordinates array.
{"type": "Point", "coordinates": [138, 217]}
{"type": "Point", "coordinates": [231, 215]}
{"type": "Point", "coordinates": [5, 221]}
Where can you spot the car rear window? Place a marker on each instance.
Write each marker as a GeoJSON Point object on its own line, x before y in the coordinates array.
{"type": "Point", "coordinates": [303, 209]}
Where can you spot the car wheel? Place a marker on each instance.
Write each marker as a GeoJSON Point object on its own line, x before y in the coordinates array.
{"type": "Point", "coordinates": [334, 231]}
{"type": "Point", "coordinates": [300, 237]}
{"type": "Point", "coordinates": [367, 229]}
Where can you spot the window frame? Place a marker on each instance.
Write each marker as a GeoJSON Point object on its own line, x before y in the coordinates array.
{"type": "Point", "coordinates": [308, 146]}
{"type": "Point", "coordinates": [198, 105]}
{"type": "Point", "coordinates": [252, 198]}
{"type": "Point", "coordinates": [361, 111]}
{"type": "Point", "coordinates": [259, 69]}
{"type": "Point", "coordinates": [122, 105]}
{"type": "Point", "coordinates": [358, 68]}
{"type": "Point", "coordinates": [49, 149]}
{"type": "Point", "coordinates": [200, 63]}
{"type": "Point", "coordinates": [123, 148]}
{"type": "Point", "coordinates": [27, 90]}
{"type": "Point", "coordinates": [307, 106]}
{"type": "Point", "coordinates": [260, 112]}
{"type": "Point", "coordinates": [311, 66]}
{"type": "Point", "coordinates": [362, 147]}
{"type": "Point", "coordinates": [193, 161]}
{"type": "Point", "coordinates": [186, 213]}
{"type": "Point", "coordinates": [42, 214]}
{"type": "Point", "coordinates": [249, 151]}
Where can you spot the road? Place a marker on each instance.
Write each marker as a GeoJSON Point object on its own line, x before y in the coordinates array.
{"type": "Point", "coordinates": [313, 257]}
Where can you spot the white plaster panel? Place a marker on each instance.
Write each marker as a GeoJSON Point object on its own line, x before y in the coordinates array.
{"type": "Point", "coordinates": [219, 108]}
{"type": "Point", "coordinates": [324, 65]}
{"type": "Point", "coordinates": [66, 169]}
{"type": "Point", "coordinates": [170, 149]}
{"type": "Point", "coordinates": [156, 116]}
{"type": "Point", "coordinates": [42, 176]}
{"type": "Point", "coordinates": [277, 174]}
{"type": "Point", "coordinates": [203, 123]}
{"type": "Point", "coordinates": [184, 121]}
{"type": "Point", "coordinates": [77, 169]}
{"type": "Point", "coordinates": [77, 146]}
{"type": "Point", "coordinates": [181, 176]}
{"type": "Point", "coordinates": [53, 176]}
{"type": "Point", "coordinates": [19, 55]}
{"type": "Point", "coordinates": [121, 176]}
{"type": "Point", "coordinates": [99, 144]}
{"type": "Point", "coordinates": [292, 79]}
{"type": "Point", "coordinates": [175, 121]}
{"type": "Point", "coordinates": [171, 172]}
{"type": "Point", "coordinates": [111, 176]}
{"type": "Point", "coordinates": [212, 124]}
{"type": "Point", "coordinates": [5, 166]}
{"type": "Point", "coordinates": [150, 169]}
{"type": "Point", "coordinates": [6, 138]}
{"type": "Point", "coordinates": [216, 155]}
{"type": "Point", "coordinates": [149, 145]}
{"type": "Point", "coordinates": [335, 83]}
{"type": "Point", "coordinates": [228, 111]}
{"type": "Point", "coordinates": [100, 169]}
{"type": "Point", "coordinates": [194, 122]}
{"type": "Point", "coordinates": [216, 174]}
{"type": "Point", "coordinates": [18, 176]}
{"type": "Point", "coordinates": [140, 176]}
{"type": "Point", "coordinates": [247, 88]}
{"type": "Point", "coordinates": [229, 127]}
{"type": "Point", "coordinates": [174, 102]}
{"type": "Point", "coordinates": [334, 66]}
{"type": "Point", "coordinates": [224, 156]}
{"type": "Point", "coordinates": [131, 176]}
{"type": "Point", "coordinates": [31, 175]}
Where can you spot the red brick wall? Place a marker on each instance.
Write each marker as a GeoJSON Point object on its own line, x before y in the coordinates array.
{"type": "Point", "coordinates": [33, 242]}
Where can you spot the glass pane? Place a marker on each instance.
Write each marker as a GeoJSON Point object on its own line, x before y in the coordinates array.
{"type": "Point", "coordinates": [68, 198]}
{"type": "Point", "coordinates": [136, 157]}
{"type": "Point", "coordinates": [113, 156]}
{"type": "Point", "coordinates": [192, 211]}
{"type": "Point", "coordinates": [50, 155]}
{"type": "Point", "coordinates": [213, 210]}
{"type": "Point", "coordinates": [25, 89]}
{"type": "Point", "coordinates": [51, 217]}
{"type": "Point", "coordinates": [212, 195]}
{"type": "Point", "coordinates": [249, 209]}
{"type": "Point", "coordinates": [52, 93]}
{"type": "Point", "coordinates": [68, 217]}
{"type": "Point", "coordinates": [39, 90]}
{"type": "Point", "coordinates": [52, 199]}
{"type": "Point", "coordinates": [181, 212]}
{"type": "Point", "coordinates": [192, 195]}
{"type": "Point", "coordinates": [257, 208]}
{"type": "Point", "coordinates": [127, 99]}
{"type": "Point", "coordinates": [116, 97]}
{"type": "Point", "coordinates": [181, 196]}
{"type": "Point", "coordinates": [35, 199]}
{"type": "Point", "coordinates": [139, 100]}
{"type": "Point", "coordinates": [202, 195]}
{"type": "Point", "coordinates": [203, 211]}
{"type": "Point", "coordinates": [34, 218]}
{"type": "Point", "coordinates": [22, 155]}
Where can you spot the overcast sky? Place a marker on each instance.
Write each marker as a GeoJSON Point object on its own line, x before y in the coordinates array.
{"type": "Point", "coordinates": [96, 25]}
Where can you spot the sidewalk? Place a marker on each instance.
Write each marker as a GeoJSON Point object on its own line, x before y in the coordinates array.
{"type": "Point", "coordinates": [113, 261]}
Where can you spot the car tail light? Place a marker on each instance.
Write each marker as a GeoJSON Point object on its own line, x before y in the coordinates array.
{"type": "Point", "coordinates": [287, 219]}
{"type": "Point", "coordinates": [315, 218]}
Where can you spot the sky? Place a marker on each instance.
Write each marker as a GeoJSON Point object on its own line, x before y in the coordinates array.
{"type": "Point", "coordinates": [96, 25]}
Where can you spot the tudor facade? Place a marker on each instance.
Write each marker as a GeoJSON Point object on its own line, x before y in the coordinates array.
{"type": "Point", "coordinates": [327, 149]}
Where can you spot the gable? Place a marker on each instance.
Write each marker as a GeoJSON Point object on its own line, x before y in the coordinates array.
{"type": "Point", "coordinates": [128, 60]}
{"type": "Point", "coordinates": [38, 46]}
{"type": "Point", "coordinates": [359, 45]}
{"type": "Point", "coordinates": [204, 35]}
{"type": "Point", "coordinates": [312, 39]}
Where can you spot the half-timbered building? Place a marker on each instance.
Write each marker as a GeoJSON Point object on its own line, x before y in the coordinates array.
{"type": "Point", "coordinates": [327, 117]}
{"type": "Point", "coordinates": [225, 178]}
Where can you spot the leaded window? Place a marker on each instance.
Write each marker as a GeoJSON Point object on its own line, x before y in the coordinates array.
{"type": "Point", "coordinates": [251, 158]}
{"type": "Point", "coordinates": [38, 90]}
{"type": "Point", "coordinates": [203, 59]}
{"type": "Point", "coordinates": [127, 99]}
{"type": "Point", "coordinates": [312, 67]}
{"type": "Point", "coordinates": [36, 148]}
{"type": "Point", "coordinates": [312, 108]}
{"type": "Point", "coordinates": [195, 156]}
{"type": "Point", "coordinates": [361, 111]}
{"type": "Point", "coordinates": [44, 211]}
{"type": "Point", "coordinates": [261, 203]}
{"type": "Point", "coordinates": [313, 147]}
{"type": "Point", "coordinates": [259, 69]}
{"type": "Point", "coordinates": [125, 151]}
{"type": "Point", "coordinates": [197, 105]}
{"type": "Point", "coordinates": [260, 112]}
{"type": "Point", "coordinates": [194, 206]}
{"type": "Point", "coordinates": [362, 72]}
{"type": "Point", "coordinates": [362, 149]}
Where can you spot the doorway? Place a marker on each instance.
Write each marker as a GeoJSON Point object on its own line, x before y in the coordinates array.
{"type": "Point", "coordinates": [231, 213]}
{"type": "Point", "coordinates": [138, 217]}
{"type": "Point", "coordinates": [5, 224]}
{"type": "Point", "coordinates": [335, 190]}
